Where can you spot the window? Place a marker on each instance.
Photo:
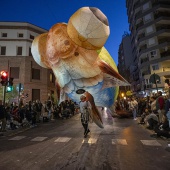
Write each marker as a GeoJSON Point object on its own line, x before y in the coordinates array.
{"type": "Point", "coordinates": [147, 17]}
{"type": "Point", "coordinates": [19, 50]}
{"type": "Point", "coordinates": [155, 67]}
{"type": "Point", "coordinates": [4, 34]}
{"type": "Point", "coordinates": [35, 94]}
{"type": "Point", "coordinates": [149, 29]}
{"type": "Point", "coordinates": [153, 54]}
{"type": "Point", "coordinates": [20, 35]}
{"type": "Point", "coordinates": [151, 41]}
{"type": "Point", "coordinates": [146, 6]}
{"type": "Point", "coordinates": [14, 72]}
{"type": "Point", "coordinates": [35, 74]}
{"type": "Point", "coordinates": [30, 54]}
{"type": "Point", "coordinates": [31, 37]}
{"type": "Point", "coordinates": [3, 50]}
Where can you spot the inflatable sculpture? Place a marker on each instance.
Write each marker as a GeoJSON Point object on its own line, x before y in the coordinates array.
{"type": "Point", "coordinates": [76, 54]}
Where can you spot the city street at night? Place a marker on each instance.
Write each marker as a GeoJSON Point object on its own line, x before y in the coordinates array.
{"type": "Point", "coordinates": [85, 85]}
{"type": "Point", "coordinates": [60, 144]}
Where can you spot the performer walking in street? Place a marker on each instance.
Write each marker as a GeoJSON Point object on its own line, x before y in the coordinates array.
{"type": "Point", "coordinates": [85, 108]}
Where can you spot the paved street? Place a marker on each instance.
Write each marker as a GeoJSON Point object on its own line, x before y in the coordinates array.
{"type": "Point", "coordinates": [59, 144]}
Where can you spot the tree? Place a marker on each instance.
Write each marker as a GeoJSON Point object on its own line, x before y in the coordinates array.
{"type": "Point", "coordinates": [10, 95]}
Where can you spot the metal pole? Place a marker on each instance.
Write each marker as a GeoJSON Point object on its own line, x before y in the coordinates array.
{"type": "Point", "coordinates": [4, 93]}
{"type": "Point", "coordinates": [19, 91]}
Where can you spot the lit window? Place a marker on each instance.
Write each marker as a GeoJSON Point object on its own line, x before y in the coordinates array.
{"type": "Point", "coordinates": [51, 77]}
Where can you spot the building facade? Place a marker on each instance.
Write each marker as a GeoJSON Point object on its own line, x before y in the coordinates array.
{"type": "Point", "coordinates": [149, 24]}
{"type": "Point", "coordinates": [125, 60]}
{"type": "Point", "coordinates": [16, 58]}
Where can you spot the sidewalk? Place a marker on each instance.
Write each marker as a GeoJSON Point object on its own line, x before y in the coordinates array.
{"type": "Point", "coordinates": [151, 132]}
{"type": "Point", "coordinates": [10, 132]}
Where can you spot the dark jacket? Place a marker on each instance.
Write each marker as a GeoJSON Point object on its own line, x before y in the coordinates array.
{"type": "Point", "coordinates": [167, 106]}
{"type": "Point", "coordinates": [2, 112]}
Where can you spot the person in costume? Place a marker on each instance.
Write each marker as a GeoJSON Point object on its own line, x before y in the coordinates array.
{"type": "Point", "coordinates": [85, 108]}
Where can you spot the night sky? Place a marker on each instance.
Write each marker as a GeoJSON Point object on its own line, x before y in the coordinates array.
{"type": "Point", "coordinates": [46, 13]}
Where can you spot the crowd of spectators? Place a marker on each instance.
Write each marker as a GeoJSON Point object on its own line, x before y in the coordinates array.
{"type": "Point", "coordinates": [13, 116]}
{"type": "Point", "coordinates": [152, 111]}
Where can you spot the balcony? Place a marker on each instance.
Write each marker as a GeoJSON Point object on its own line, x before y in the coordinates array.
{"type": "Point", "coordinates": [157, 2]}
{"type": "Point", "coordinates": [158, 28]}
{"type": "Point", "coordinates": [144, 47]}
{"type": "Point", "coordinates": [136, 3]}
{"type": "Point", "coordinates": [165, 54]}
{"type": "Point", "coordinates": [142, 35]}
{"type": "Point", "coordinates": [146, 73]}
{"type": "Point", "coordinates": [139, 25]}
{"type": "Point", "coordinates": [136, 78]}
{"type": "Point", "coordinates": [137, 15]}
{"type": "Point", "coordinates": [144, 60]}
{"type": "Point", "coordinates": [165, 69]}
{"type": "Point", "coordinates": [163, 40]}
{"type": "Point", "coordinates": [161, 14]}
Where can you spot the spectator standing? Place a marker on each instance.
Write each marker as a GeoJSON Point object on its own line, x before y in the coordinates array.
{"type": "Point", "coordinates": [21, 113]}
{"type": "Point", "coordinates": [167, 108]}
{"type": "Point", "coordinates": [141, 106]}
{"type": "Point", "coordinates": [72, 107]}
{"type": "Point", "coordinates": [38, 106]}
{"type": "Point", "coordinates": [134, 107]}
{"type": "Point", "coordinates": [28, 115]}
{"type": "Point", "coordinates": [49, 108]}
{"type": "Point", "coordinates": [153, 103]}
{"type": "Point", "coordinates": [33, 114]}
{"type": "Point", "coordinates": [160, 104]}
{"type": "Point", "coordinates": [2, 117]}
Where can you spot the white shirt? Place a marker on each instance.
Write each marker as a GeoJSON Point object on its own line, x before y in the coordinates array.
{"type": "Point", "coordinates": [84, 104]}
{"type": "Point", "coordinates": [133, 104]}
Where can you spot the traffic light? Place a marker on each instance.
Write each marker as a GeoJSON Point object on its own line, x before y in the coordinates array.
{"type": "Point", "coordinates": [4, 77]}
{"type": "Point", "coordinates": [9, 88]}
{"type": "Point", "coordinates": [9, 84]}
{"type": "Point", "coordinates": [10, 81]}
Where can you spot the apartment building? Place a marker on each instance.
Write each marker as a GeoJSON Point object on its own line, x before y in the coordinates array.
{"type": "Point", "coordinates": [149, 24]}
{"type": "Point", "coordinates": [16, 58]}
{"type": "Point", "coordinates": [125, 60]}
